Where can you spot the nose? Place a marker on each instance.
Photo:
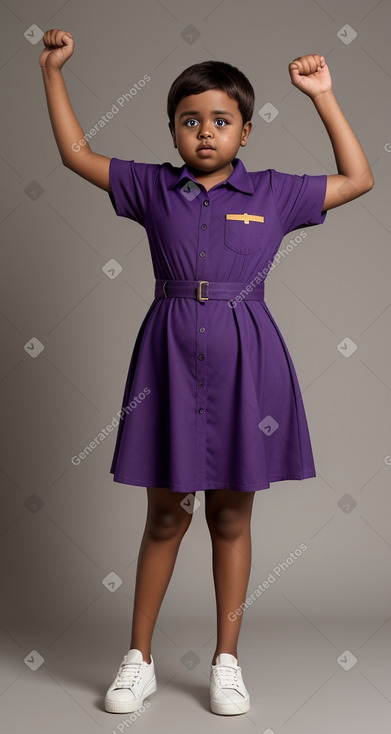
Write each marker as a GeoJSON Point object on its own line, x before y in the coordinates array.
{"type": "Point", "coordinates": [205, 134]}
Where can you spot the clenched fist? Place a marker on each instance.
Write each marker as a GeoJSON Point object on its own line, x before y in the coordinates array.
{"type": "Point", "coordinates": [59, 46]}
{"type": "Point", "coordinates": [310, 74]}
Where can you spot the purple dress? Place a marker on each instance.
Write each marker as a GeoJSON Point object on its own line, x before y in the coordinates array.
{"type": "Point", "coordinates": [212, 400]}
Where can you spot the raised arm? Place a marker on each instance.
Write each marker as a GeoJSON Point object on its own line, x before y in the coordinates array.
{"type": "Point", "coordinates": [310, 74]}
{"type": "Point", "coordinates": [59, 46]}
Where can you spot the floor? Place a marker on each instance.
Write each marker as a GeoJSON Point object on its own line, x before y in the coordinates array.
{"type": "Point", "coordinates": [300, 680]}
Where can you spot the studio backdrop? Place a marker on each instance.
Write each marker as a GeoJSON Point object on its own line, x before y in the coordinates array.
{"type": "Point", "coordinates": [76, 283]}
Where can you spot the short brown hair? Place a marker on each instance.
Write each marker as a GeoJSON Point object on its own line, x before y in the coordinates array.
{"type": "Point", "coordinates": [212, 75]}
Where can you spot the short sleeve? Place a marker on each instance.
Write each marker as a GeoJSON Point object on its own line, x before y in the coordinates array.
{"type": "Point", "coordinates": [131, 187]}
{"type": "Point", "coordinates": [299, 199]}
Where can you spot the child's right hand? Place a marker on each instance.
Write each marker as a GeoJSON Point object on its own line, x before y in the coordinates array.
{"type": "Point", "coordinates": [59, 47]}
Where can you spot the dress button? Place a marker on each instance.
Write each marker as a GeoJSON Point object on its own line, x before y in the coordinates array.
{"type": "Point", "coordinates": [201, 383]}
{"type": "Point", "coordinates": [202, 329]}
{"type": "Point", "coordinates": [206, 202]}
{"type": "Point", "coordinates": [201, 356]}
{"type": "Point", "coordinates": [201, 410]}
{"type": "Point", "coordinates": [202, 253]}
{"type": "Point", "coordinates": [204, 226]}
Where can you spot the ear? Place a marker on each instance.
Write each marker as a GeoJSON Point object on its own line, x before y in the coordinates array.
{"type": "Point", "coordinates": [172, 133]}
{"type": "Point", "coordinates": [245, 133]}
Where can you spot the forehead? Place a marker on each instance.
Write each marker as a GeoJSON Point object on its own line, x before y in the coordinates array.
{"type": "Point", "coordinates": [209, 101]}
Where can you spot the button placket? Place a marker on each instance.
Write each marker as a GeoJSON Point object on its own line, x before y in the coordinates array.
{"type": "Point", "coordinates": [200, 339]}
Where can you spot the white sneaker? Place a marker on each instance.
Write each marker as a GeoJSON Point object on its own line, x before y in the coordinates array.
{"type": "Point", "coordinates": [134, 681]}
{"type": "Point", "coordinates": [228, 694]}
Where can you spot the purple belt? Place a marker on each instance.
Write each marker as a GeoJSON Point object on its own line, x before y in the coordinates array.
{"type": "Point", "coordinates": [203, 290]}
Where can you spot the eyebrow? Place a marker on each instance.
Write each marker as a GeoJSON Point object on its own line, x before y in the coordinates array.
{"type": "Point", "coordinates": [196, 112]}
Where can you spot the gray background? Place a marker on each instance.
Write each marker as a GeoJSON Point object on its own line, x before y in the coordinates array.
{"type": "Point", "coordinates": [65, 528]}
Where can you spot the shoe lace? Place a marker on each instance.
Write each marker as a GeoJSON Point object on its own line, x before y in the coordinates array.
{"type": "Point", "coordinates": [227, 677]}
{"type": "Point", "coordinates": [127, 675]}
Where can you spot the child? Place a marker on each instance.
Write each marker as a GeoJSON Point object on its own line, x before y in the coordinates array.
{"type": "Point", "coordinates": [212, 401]}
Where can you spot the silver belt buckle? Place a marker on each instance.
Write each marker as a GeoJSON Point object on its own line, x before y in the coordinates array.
{"type": "Point", "coordinates": [200, 297]}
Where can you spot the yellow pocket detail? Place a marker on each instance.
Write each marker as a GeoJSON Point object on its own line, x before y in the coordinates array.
{"type": "Point", "coordinates": [246, 218]}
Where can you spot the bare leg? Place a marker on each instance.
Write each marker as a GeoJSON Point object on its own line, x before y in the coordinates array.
{"type": "Point", "coordinates": [228, 515]}
{"type": "Point", "coordinates": [165, 527]}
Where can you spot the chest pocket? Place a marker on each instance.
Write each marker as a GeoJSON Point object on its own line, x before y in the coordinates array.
{"type": "Point", "coordinates": [244, 233]}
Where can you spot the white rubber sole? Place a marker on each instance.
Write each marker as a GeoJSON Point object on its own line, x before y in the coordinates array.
{"type": "Point", "coordinates": [229, 709]}
{"type": "Point", "coordinates": [127, 707]}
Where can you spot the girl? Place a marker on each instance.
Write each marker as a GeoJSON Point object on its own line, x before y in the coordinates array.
{"type": "Point", "coordinates": [212, 401]}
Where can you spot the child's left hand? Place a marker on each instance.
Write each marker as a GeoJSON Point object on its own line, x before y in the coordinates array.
{"type": "Point", "coordinates": [310, 74]}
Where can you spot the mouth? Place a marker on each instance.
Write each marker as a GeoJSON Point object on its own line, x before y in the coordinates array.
{"type": "Point", "coordinates": [204, 151]}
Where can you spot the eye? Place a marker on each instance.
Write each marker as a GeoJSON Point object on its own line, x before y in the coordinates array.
{"type": "Point", "coordinates": [219, 119]}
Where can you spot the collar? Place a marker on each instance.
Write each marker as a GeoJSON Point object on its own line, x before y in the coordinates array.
{"type": "Point", "coordinates": [239, 178]}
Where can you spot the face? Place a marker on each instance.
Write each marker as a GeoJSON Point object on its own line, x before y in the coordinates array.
{"type": "Point", "coordinates": [210, 118]}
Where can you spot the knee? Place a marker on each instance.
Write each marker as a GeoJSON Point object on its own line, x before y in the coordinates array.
{"type": "Point", "coordinates": [167, 525]}
{"type": "Point", "coordinates": [226, 523]}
